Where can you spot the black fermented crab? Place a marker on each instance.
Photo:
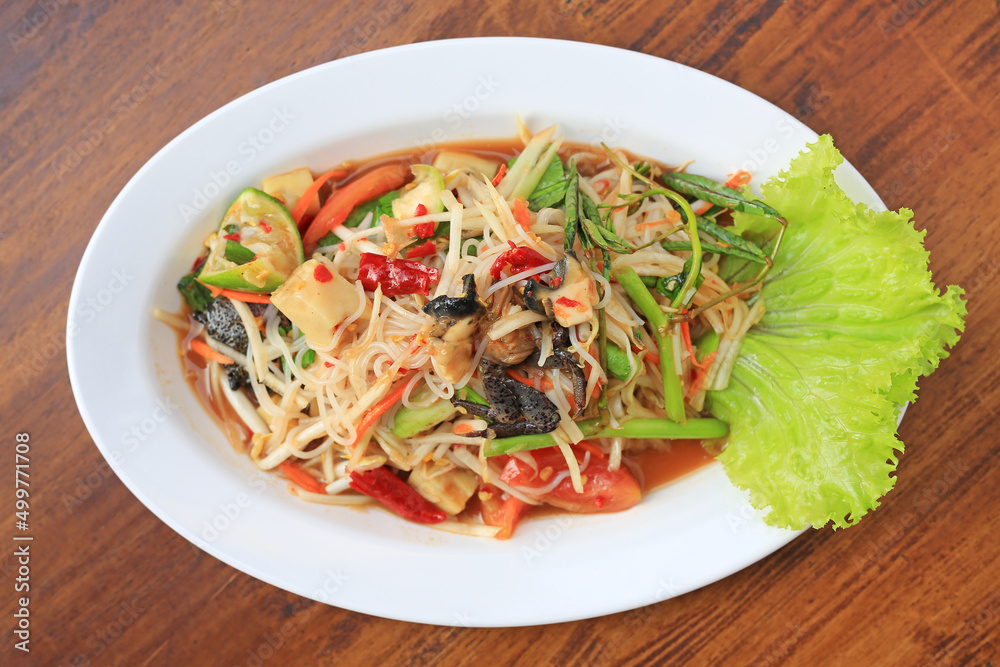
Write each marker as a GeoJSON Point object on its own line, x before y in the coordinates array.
{"type": "Point", "coordinates": [464, 310]}
{"type": "Point", "coordinates": [570, 300]}
{"type": "Point", "coordinates": [564, 360]}
{"type": "Point", "coordinates": [223, 323]}
{"type": "Point", "coordinates": [516, 408]}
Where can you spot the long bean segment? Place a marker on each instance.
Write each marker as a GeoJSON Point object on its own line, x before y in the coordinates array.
{"type": "Point", "coordinates": [658, 429]}
{"type": "Point", "coordinates": [673, 393]}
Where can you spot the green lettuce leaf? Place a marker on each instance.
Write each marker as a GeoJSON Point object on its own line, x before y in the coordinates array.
{"type": "Point", "coordinates": [852, 321]}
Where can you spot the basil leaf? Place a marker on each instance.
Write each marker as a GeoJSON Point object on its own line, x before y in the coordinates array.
{"type": "Point", "coordinates": [198, 296]}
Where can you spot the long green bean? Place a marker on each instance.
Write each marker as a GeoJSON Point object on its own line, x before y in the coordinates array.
{"type": "Point", "coordinates": [673, 393]}
{"type": "Point", "coordinates": [694, 429]}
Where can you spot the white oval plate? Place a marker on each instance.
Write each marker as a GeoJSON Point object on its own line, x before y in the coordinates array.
{"type": "Point", "coordinates": [169, 453]}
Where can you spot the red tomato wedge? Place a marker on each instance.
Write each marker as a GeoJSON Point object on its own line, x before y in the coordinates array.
{"type": "Point", "coordinates": [604, 490]}
{"type": "Point", "coordinates": [503, 513]}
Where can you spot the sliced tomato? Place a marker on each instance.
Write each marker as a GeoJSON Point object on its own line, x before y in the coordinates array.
{"type": "Point", "coordinates": [502, 512]}
{"type": "Point", "coordinates": [604, 490]}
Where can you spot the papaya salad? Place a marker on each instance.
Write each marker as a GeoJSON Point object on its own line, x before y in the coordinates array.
{"type": "Point", "coordinates": [465, 334]}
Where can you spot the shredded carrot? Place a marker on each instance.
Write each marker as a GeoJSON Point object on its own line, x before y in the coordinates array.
{"type": "Point", "coordinates": [247, 297]}
{"type": "Point", "coordinates": [212, 289]}
{"type": "Point", "coordinates": [462, 429]}
{"type": "Point", "coordinates": [545, 384]}
{"type": "Point", "coordinates": [202, 348]}
{"type": "Point", "coordinates": [380, 409]}
{"type": "Point", "coordinates": [686, 333]}
{"type": "Point", "coordinates": [699, 377]}
{"type": "Point", "coordinates": [672, 218]}
{"type": "Point", "coordinates": [741, 177]}
{"type": "Point", "coordinates": [235, 295]}
{"type": "Point", "coordinates": [335, 210]}
{"type": "Point", "coordinates": [702, 208]}
{"type": "Point", "coordinates": [695, 385]}
{"type": "Point", "coordinates": [301, 477]}
{"type": "Point", "coordinates": [303, 205]}
{"type": "Point", "coordinates": [654, 358]}
{"type": "Point", "coordinates": [499, 176]}
{"type": "Point", "coordinates": [521, 214]}
{"type": "Point", "coordinates": [592, 448]}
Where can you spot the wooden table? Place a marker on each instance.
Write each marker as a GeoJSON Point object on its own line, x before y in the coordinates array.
{"type": "Point", "coordinates": [911, 92]}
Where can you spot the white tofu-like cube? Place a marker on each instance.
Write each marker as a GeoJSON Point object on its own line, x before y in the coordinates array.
{"type": "Point", "coordinates": [448, 491]}
{"type": "Point", "coordinates": [289, 188]}
{"type": "Point", "coordinates": [316, 298]}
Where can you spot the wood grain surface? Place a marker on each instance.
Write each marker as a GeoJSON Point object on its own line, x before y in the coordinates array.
{"type": "Point", "coordinates": [910, 90]}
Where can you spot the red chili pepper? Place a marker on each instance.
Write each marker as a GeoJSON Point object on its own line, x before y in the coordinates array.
{"type": "Point", "coordinates": [322, 274]}
{"type": "Point", "coordinates": [396, 494]}
{"type": "Point", "coordinates": [232, 237]}
{"type": "Point", "coordinates": [197, 263]}
{"type": "Point", "coordinates": [566, 301]}
{"type": "Point", "coordinates": [396, 276]}
{"type": "Point", "coordinates": [266, 227]}
{"type": "Point", "coordinates": [516, 260]}
{"type": "Point", "coordinates": [419, 211]}
{"type": "Point", "coordinates": [428, 248]}
{"type": "Point", "coordinates": [422, 230]}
